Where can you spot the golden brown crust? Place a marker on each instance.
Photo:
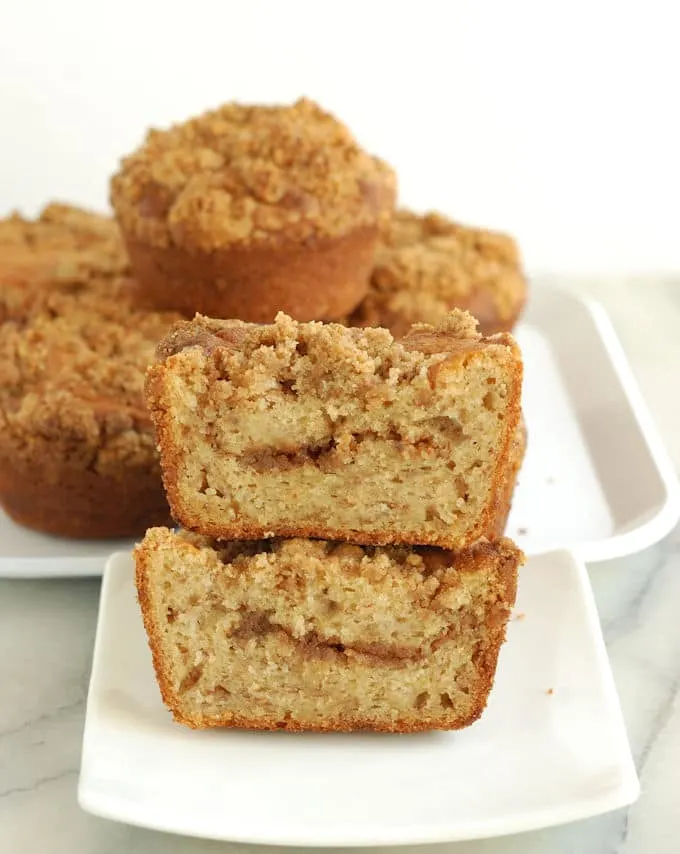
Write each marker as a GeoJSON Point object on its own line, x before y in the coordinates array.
{"type": "Point", "coordinates": [357, 724]}
{"type": "Point", "coordinates": [142, 581]}
{"type": "Point", "coordinates": [427, 265]}
{"type": "Point", "coordinates": [456, 336]}
{"type": "Point", "coordinates": [509, 559]}
{"type": "Point", "coordinates": [250, 175]}
{"type": "Point", "coordinates": [320, 280]}
{"type": "Point", "coordinates": [65, 250]}
{"type": "Point", "coordinates": [43, 493]}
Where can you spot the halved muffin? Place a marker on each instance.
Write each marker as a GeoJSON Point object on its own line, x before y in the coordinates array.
{"type": "Point", "coordinates": [317, 635]}
{"type": "Point", "coordinates": [318, 430]}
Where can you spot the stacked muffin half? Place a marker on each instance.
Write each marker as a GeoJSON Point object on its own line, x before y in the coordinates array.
{"type": "Point", "coordinates": [343, 491]}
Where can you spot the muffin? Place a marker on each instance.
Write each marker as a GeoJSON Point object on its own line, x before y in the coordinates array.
{"type": "Point", "coordinates": [77, 450]}
{"type": "Point", "coordinates": [316, 635]}
{"type": "Point", "coordinates": [317, 430]}
{"type": "Point", "coordinates": [427, 265]}
{"type": "Point", "coordinates": [248, 210]}
{"type": "Point", "coordinates": [65, 250]}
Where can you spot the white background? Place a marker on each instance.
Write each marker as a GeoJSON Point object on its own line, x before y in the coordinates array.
{"type": "Point", "coordinates": [558, 121]}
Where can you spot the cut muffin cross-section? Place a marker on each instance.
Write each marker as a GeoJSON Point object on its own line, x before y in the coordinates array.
{"type": "Point", "coordinates": [315, 430]}
{"type": "Point", "coordinates": [317, 635]}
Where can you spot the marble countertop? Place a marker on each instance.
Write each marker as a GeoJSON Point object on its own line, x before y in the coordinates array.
{"type": "Point", "coordinates": [47, 629]}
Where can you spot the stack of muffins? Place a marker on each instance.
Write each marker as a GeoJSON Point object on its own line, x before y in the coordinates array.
{"type": "Point", "coordinates": [342, 490]}
{"type": "Point", "coordinates": [242, 213]}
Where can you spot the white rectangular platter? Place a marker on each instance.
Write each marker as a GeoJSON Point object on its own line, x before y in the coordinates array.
{"type": "Point", "coordinates": [596, 478]}
{"type": "Point", "coordinates": [550, 748]}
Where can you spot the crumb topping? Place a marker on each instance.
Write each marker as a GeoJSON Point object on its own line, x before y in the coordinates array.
{"type": "Point", "coordinates": [66, 249]}
{"type": "Point", "coordinates": [328, 358]}
{"type": "Point", "coordinates": [419, 563]}
{"type": "Point", "coordinates": [72, 377]}
{"type": "Point", "coordinates": [432, 259]}
{"type": "Point", "coordinates": [66, 233]}
{"type": "Point", "coordinates": [251, 174]}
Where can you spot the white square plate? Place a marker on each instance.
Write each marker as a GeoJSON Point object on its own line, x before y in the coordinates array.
{"type": "Point", "coordinates": [596, 478]}
{"type": "Point", "coordinates": [550, 748]}
{"type": "Point", "coordinates": [30, 554]}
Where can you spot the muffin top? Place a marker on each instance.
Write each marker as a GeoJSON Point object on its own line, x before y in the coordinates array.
{"type": "Point", "coordinates": [62, 238]}
{"type": "Point", "coordinates": [72, 377]}
{"type": "Point", "coordinates": [426, 265]}
{"type": "Point", "coordinates": [434, 254]}
{"type": "Point", "coordinates": [250, 175]}
{"type": "Point", "coordinates": [66, 249]}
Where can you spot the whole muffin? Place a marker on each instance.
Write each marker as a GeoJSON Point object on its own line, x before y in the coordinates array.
{"type": "Point", "coordinates": [77, 450]}
{"type": "Point", "coordinates": [248, 210]}
{"type": "Point", "coordinates": [65, 250]}
{"type": "Point", "coordinates": [427, 265]}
